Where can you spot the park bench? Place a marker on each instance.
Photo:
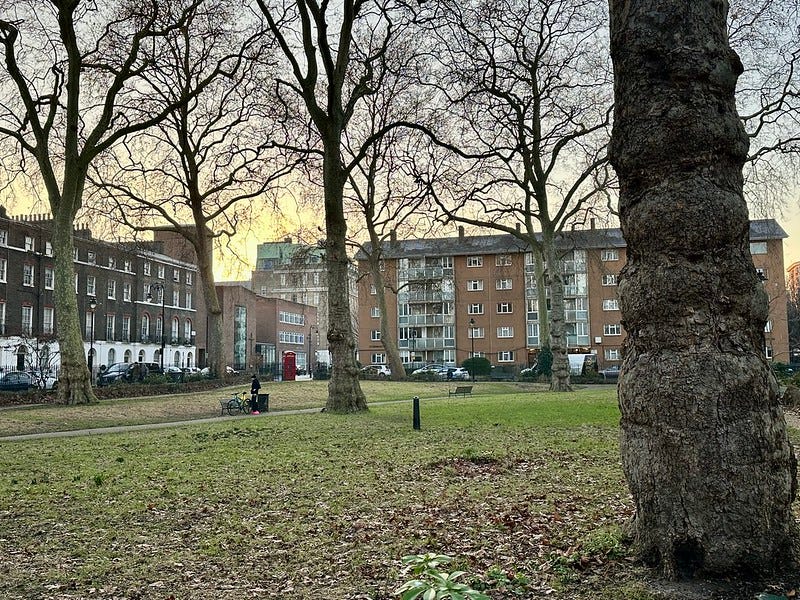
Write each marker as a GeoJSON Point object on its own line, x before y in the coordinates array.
{"type": "Point", "coordinates": [461, 390]}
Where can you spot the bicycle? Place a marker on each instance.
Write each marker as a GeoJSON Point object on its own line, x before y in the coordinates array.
{"type": "Point", "coordinates": [239, 402]}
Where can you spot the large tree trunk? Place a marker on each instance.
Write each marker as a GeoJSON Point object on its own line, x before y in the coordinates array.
{"type": "Point", "coordinates": [704, 443]}
{"type": "Point", "coordinates": [344, 389]}
{"type": "Point", "coordinates": [75, 385]}
{"type": "Point", "coordinates": [559, 380]}
{"type": "Point", "coordinates": [541, 298]}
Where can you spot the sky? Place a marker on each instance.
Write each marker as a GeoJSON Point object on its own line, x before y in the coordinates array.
{"type": "Point", "coordinates": [790, 221]}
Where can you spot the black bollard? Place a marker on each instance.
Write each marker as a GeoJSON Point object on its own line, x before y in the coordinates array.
{"type": "Point", "coordinates": [415, 403]}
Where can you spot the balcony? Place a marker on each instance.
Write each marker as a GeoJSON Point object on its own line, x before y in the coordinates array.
{"type": "Point", "coordinates": [422, 320]}
{"type": "Point", "coordinates": [424, 273]}
{"type": "Point", "coordinates": [419, 344]}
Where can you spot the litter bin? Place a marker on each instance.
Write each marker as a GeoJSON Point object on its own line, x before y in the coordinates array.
{"type": "Point", "coordinates": [263, 403]}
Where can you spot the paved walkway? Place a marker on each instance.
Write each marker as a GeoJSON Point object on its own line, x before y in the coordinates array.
{"type": "Point", "coordinates": [146, 426]}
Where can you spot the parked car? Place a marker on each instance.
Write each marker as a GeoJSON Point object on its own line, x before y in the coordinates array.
{"type": "Point", "coordinates": [16, 381]}
{"type": "Point", "coordinates": [610, 373]}
{"type": "Point", "coordinates": [434, 369]}
{"type": "Point", "coordinates": [115, 373]}
{"type": "Point", "coordinates": [528, 372]}
{"type": "Point", "coordinates": [460, 374]}
{"type": "Point", "coordinates": [44, 380]}
{"type": "Point", "coordinates": [379, 371]}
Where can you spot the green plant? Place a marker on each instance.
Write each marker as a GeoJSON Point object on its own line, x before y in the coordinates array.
{"type": "Point", "coordinates": [544, 365]}
{"type": "Point", "coordinates": [432, 584]}
{"type": "Point", "coordinates": [478, 365]}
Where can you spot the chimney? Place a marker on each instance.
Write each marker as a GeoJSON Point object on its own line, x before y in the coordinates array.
{"type": "Point", "coordinates": [288, 239]}
{"type": "Point", "coordinates": [518, 226]}
{"type": "Point", "coordinates": [591, 223]}
{"type": "Point", "coordinates": [393, 236]}
{"type": "Point", "coordinates": [461, 232]}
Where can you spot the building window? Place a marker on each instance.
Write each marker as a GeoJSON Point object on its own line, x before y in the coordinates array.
{"type": "Point", "coordinates": [475, 309]}
{"type": "Point", "coordinates": [768, 327]}
{"type": "Point", "coordinates": [161, 271]}
{"type": "Point", "coordinates": [188, 278]}
{"type": "Point", "coordinates": [505, 356]}
{"type": "Point", "coordinates": [379, 358]}
{"type": "Point", "coordinates": [503, 284]}
{"type": "Point", "coordinates": [27, 320]}
{"type": "Point", "coordinates": [112, 289]}
{"type": "Point", "coordinates": [768, 352]}
{"type": "Point", "coordinates": [502, 260]}
{"type": "Point", "coordinates": [49, 278]}
{"type": "Point", "coordinates": [176, 298]}
{"type": "Point", "coordinates": [612, 354]}
{"type": "Point", "coordinates": [188, 299]}
{"type": "Point", "coordinates": [187, 331]}
{"type": "Point", "coordinates": [762, 273]}
{"type": "Point", "coordinates": [609, 254]}
{"type": "Point", "coordinates": [126, 292]}
{"type": "Point", "coordinates": [146, 267]}
{"type": "Point", "coordinates": [112, 262]}
{"type": "Point", "coordinates": [111, 321]}
{"type": "Point", "coordinates": [30, 246]}
{"type": "Point", "coordinates": [475, 285]}
{"type": "Point", "coordinates": [375, 335]}
{"type": "Point", "coordinates": [372, 289]}
{"type": "Point", "coordinates": [91, 285]}
{"type": "Point", "coordinates": [504, 308]}
{"type": "Point", "coordinates": [505, 332]}
{"type": "Point", "coordinates": [758, 247]}
{"type": "Point", "coordinates": [609, 279]}
{"type": "Point", "coordinates": [76, 283]}
{"type": "Point", "coordinates": [91, 257]}
{"type": "Point", "coordinates": [3, 270]}
{"type": "Point", "coordinates": [27, 275]}
{"type": "Point", "coordinates": [612, 329]}
{"type": "Point", "coordinates": [126, 328]}
{"type": "Point", "coordinates": [128, 266]}
{"type": "Point", "coordinates": [75, 254]}
{"type": "Point", "coordinates": [3, 237]}
{"type": "Point", "coordinates": [610, 304]}
{"type": "Point", "coordinates": [176, 275]}
{"type": "Point", "coordinates": [48, 248]}
{"type": "Point", "coordinates": [48, 319]}
{"type": "Point", "coordinates": [2, 318]}
{"type": "Point", "coordinates": [375, 312]}
{"type": "Point", "coordinates": [291, 318]}
{"type": "Point", "coordinates": [475, 333]}
{"type": "Point", "coordinates": [291, 337]}
{"type": "Point", "coordinates": [474, 261]}
{"type": "Point", "coordinates": [145, 331]}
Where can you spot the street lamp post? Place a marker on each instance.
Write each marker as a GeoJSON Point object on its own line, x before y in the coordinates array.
{"type": "Point", "coordinates": [472, 352]}
{"type": "Point", "coordinates": [413, 346]}
{"type": "Point", "coordinates": [159, 287]}
{"type": "Point", "coordinates": [92, 307]}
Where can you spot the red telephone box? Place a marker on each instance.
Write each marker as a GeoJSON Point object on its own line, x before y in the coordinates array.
{"type": "Point", "coordinates": [289, 365]}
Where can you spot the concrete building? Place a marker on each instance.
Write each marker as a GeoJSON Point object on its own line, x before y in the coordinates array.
{"type": "Point", "coordinates": [476, 295]}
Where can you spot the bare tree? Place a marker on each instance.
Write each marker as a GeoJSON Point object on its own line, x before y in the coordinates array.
{"type": "Point", "coordinates": [335, 55]}
{"type": "Point", "coordinates": [528, 86]}
{"type": "Point", "coordinates": [704, 443]}
{"type": "Point", "coordinates": [77, 84]}
{"type": "Point", "coordinates": [206, 168]}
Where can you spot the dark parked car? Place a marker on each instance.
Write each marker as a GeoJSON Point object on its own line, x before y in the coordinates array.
{"type": "Point", "coordinates": [16, 381]}
{"type": "Point", "coordinates": [115, 373]}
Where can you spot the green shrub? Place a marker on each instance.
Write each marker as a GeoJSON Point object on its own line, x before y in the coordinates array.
{"type": "Point", "coordinates": [544, 366]}
{"type": "Point", "coordinates": [478, 366]}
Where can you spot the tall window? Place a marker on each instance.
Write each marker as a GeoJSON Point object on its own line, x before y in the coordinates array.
{"type": "Point", "coordinates": [146, 267]}
{"type": "Point", "coordinates": [176, 327]}
{"type": "Point", "coordinates": [145, 330]}
{"type": "Point", "coordinates": [27, 275]}
{"type": "Point", "coordinates": [91, 285]}
{"type": "Point", "coordinates": [48, 319]}
{"type": "Point", "coordinates": [188, 299]}
{"type": "Point", "coordinates": [159, 328]}
{"type": "Point", "coordinates": [126, 328]}
{"type": "Point", "coordinates": [188, 278]}
{"type": "Point", "coordinates": [3, 237]}
{"type": "Point", "coordinates": [176, 298]}
{"type": "Point", "coordinates": [3, 318]}
{"type": "Point", "coordinates": [49, 278]}
{"type": "Point", "coordinates": [3, 270]}
{"type": "Point", "coordinates": [375, 335]}
{"type": "Point", "coordinates": [475, 333]}
{"type": "Point", "coordinates": [187, 330]}
{"type": "Point", "coordinates": [112, 262]}
{"type": "Point", "coordinates": [128, 266]}
{"type": "Point", "coordinates": [48, 248]}
{"type": "Point", "coordinates": [375, 312]}
{"type": "Point", "coordinates": [30, 245]}
{"type": "Point", "coordinates": [112, 289]}
{"type": "Point", "coordinates": [27, 320]}
{"type": "Point", "coordinates": [161, 271]}
{"type": "Point", "coordinates": [111, 326]}
{"type": "Point", "coordinates": [126, 292]}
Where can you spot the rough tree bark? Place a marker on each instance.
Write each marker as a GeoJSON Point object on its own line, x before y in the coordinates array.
{"type": "Point", "coordinates": [704, 444]}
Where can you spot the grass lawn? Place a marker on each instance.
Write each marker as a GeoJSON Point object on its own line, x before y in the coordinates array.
{"type": "Point", "coordinates": [524, 488]}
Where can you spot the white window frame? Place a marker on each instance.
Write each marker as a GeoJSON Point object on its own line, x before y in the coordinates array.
{"type": "Point", "coordinates": [610, 304]}
{"type": "Point", "coordinates": [612, 354]}
{"type": "Point", "coordinates": [475, 285]}
{"type": "Point", "coordinates": [161, 271]}
{"type": "Point", "coordinates": [505, 331]}
{"type": "Point", "coordinates": [474, 261]}
{"type": "Point", "coordinates": [3, 270]}
{"type": "Point", "coordinates": [127, 292]}
{"type": "Point", "coordinates": [502, 260]}
{"type": "Point", "coordinates": [612, 329]}
{"type": "Point", "coordinates": [48, 320]}
{"type": "Point", "coordinates": [375, 335]}
{"type": "Point", "coordinates": [91, 285]}
{"type": "Point", "coordinates": [27, 320]}
{"type": "Point", "coordinates": [609, 279]}
{"type": "Point", "coordinates": [49, 278]}
{"type": "Point", "coordinates": [112, 289]}
{"type": "Point", "coordinates": [146, 268]}
{"type": "Point", "coordinates": [504, 284]}
{"type": "Point", "coordinates": [476, 308]}
{"type": "Point", "coordinates": [505, 356]}
{"type": "Point", "coordinates": [758, 247]}
{"type": "Point", "coordinates": [609, 254]}
{"type": "Point", "coordinates": [505, 308]}
{"type": "Point", "coordinates": [28, 275]}
{"type": "Point", "coordinates": [375, 312]}
{"type": "Point", "coordinates": [476, 333]}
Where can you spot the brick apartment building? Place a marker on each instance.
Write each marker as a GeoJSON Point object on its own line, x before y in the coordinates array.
{"type": "Point", "coordinates": [468, 295]}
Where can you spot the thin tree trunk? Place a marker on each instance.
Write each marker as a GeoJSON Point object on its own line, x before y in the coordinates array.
{"type": "Point", "coordinates": [541, 298]}
{"type": "Point", "coordinates": [387, 339]}
{"type": "Point", "coordinates": [704, 444]}
{"type": "Point", "coordinates": [344, 389]}
{"type": "Point", "coordinates": [216, 344]}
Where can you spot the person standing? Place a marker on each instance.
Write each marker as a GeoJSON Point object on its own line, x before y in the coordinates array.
{"type": "Point", "coordinates": [255, 385]}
